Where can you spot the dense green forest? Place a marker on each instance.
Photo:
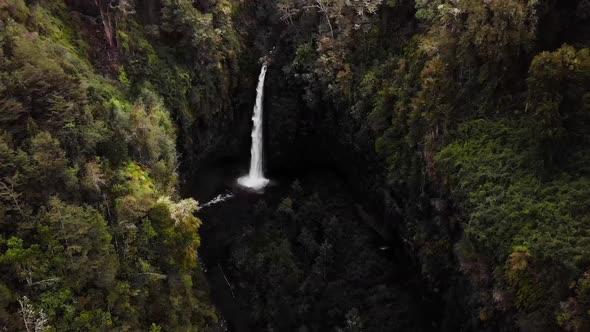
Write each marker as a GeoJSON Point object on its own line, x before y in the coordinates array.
{"type": "Point", "coordinates": [432, 161]}
{"type": "Point", "coordinates": [94, 235]}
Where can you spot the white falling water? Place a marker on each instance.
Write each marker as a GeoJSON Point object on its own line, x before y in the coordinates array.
{"type": "Point", "coordinates": [255, 178]}
{"type": "Point", "coordinates": [218, 199]}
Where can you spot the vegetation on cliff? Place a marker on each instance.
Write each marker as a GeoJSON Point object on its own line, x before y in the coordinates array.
{"type": "Point", "coordinates": [93, 235]}
{"type": "Point", "coordinates": [480, 105]}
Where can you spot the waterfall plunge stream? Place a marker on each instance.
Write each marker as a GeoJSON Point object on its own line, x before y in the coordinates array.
{"type": "Point", "coordinates": [255, 178]}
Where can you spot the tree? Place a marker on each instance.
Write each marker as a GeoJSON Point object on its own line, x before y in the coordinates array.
{"type": "Point", "coordinates": [288, 10]}
{"type": "Point", "coordinates": [28, 265]}
{"type": "Point", "coordinates": [323, 7]}
{"type": "Point", "coordinates": [50, 161]}
{"type": "Point", "coordinates": [324, 260]}
{"type": "Point", "coordinates": [8, 193]}
{"type": "Point", "coordinates": [184, 240]}
{"type": "Point", "coordinates": [308, 242]}
{"type": "Point", "coordinates": [94, 180]}
{"type": "Point", "coordinates": [335, 12]}
{"type": "Point", "coordinates": [33, 320]}
{"type": "Point", "coordinates": [80, 244]}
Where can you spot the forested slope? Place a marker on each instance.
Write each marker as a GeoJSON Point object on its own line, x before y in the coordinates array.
{"type": "Point", "coordinates": [479, 113]}
{"type": "Point", "coordinates": [93, 235]}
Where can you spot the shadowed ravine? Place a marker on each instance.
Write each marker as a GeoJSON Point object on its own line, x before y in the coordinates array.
{"type": "Point", "coordinates": [230, 224]}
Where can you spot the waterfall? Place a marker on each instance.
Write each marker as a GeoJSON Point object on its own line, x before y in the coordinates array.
{"type": "Point", "coordinates": [255, 178]}
{"type": "Point", "coordinates": [218, 199]}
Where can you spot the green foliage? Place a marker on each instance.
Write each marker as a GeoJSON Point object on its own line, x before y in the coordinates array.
{"type": "Point", "coordinates": [183, 229]}
{"type": "Point", "coordinates": [190, 60]}
{"type": "Point", "coordinates": [81, 243]}
{"type": "Point", "coordinates": [83, 161]}
{"type": "Point", "coordinates": [145, 62]}
{"type": "Point", "coordinates": [558, 97]}
{"type": "Point", "coordinates": [208, 56]}
{"type": "Point", "coordinates": [509, 207]}
{"type": "Point", "coordinates": [480, 103]}
{"type": "Point", "coordinates": [509, 26]}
